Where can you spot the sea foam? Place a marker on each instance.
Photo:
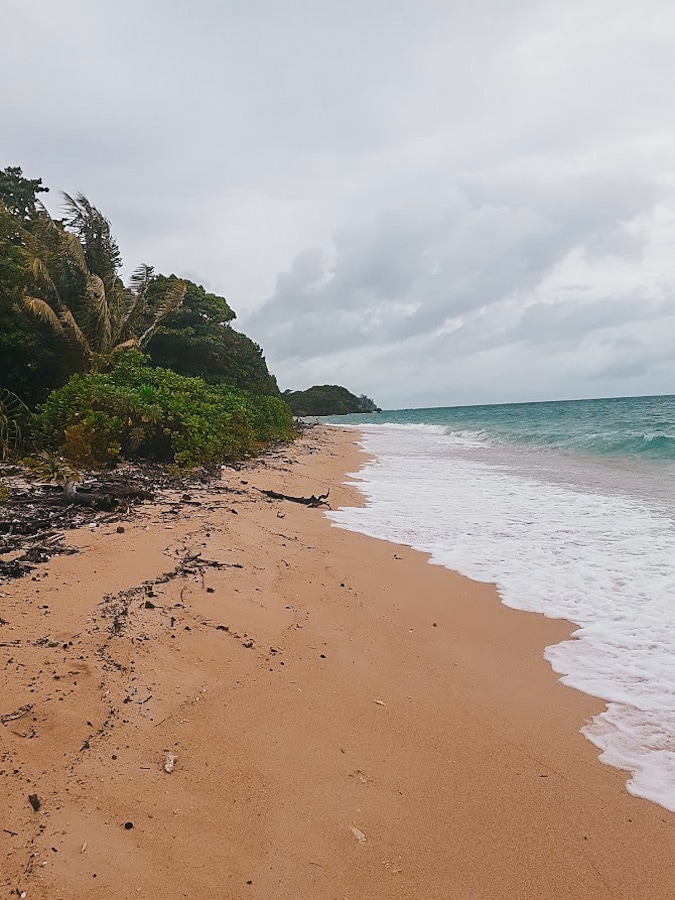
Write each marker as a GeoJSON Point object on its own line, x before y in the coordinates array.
{"type": "Point", "coordinates": [601, 559]}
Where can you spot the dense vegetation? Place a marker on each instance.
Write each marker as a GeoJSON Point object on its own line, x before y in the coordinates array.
{"type": "Point", "coordinates": [143, 412]}
{"type": "Point", "coordinates": [197, 339]}
{"type": "Point", "coordinates": [95, 369]}
{"type": "Point", "coordinates": [328, 400]}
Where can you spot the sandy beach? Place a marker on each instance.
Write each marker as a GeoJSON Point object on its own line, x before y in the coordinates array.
{"type": "Point", "coordinates": [340, 719]}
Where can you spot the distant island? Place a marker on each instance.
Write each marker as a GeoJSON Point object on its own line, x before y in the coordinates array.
{"type": "Point", "coordinates": [328, 400]}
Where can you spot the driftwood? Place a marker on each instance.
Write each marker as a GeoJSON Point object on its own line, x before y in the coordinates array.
{"type": "Point", "coordinates": [87, 498]}
{"type": "Point", "coordinates": [321, 500]}
{"type": "Point", "coordinates": [34, 516]}
{"type": "Point", "coordinates": [105, 496]}
{"type": "Point", "coordinates": [19, 714]}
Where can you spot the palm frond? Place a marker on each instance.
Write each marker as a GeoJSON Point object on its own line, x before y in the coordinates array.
{"type": "Point", "coordinates": [125, 345]}
{"type": "Point", "coordinates": [141, 278]}
{"type": "Point", "coordinates": [43, 311]}
{"type": "Point", "coordinates": [173, 298]}
{"type": "Point", "coordinates": [97, 302]}
{"type": "Point", "coordinates": [133, 313]}
{"type": "Point", "coordinates": [136, 294]}
{"type": "Point", "coordinates": [93, 230]}
{"type": "Point", "coordinates": [40, 273]}
{"type": "Point", "coordinates": [76, 332]}
{"type": "Point", "coordinates": [77, 209]}
{"type": "Point", "coordinates": [53, 247]}
{"type": "Point", "coordinates": [46, 233]}
{"type": "Point", "coordinates": [75, 252]}
{"type": "Point", "coordinates": [96, 293]}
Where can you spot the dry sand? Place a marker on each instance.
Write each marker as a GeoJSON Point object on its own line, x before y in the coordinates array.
{"type": "Point", "coordinates": [348, 721]}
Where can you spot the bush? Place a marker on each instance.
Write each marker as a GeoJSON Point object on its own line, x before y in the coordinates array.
{"type": "Point", "coordinates": [140, 412]}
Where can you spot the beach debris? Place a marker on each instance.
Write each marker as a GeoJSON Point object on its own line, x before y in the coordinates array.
{"type": "Point", "coordinates": [397, 556]}
{"type": "Point", "coordinates": [35, 802]}
{"type": "Point", "coordinates": [87, 498]}
{"type": "Point", "coordinates": [34, 517]}
{"type": "Point", "coordinates": [83, 847]}
{"type": "Point", "coordinates": [359, 835]}
{"type": "Point", "coordinates": [380, 702]}
{"type": "Point", "coordinates": [170, 761]}
{"type": "Point", "coordinates": [128, 825]}
{"type": "Point", "coordinates": [313, 501]}
{"type": "Point", "coordinates": [17, 714]}
{"type": "Point", "coordinates": [104, 494]}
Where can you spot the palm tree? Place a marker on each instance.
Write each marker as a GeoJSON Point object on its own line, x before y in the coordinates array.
{"type": "Point", "coordinates": [75, 286]}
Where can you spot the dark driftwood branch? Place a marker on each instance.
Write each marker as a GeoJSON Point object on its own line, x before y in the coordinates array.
{"type": "Point", "coordinates": [103, 496]}
{"type": "Point", "coordinates": [87, 498]}
{"type": "Point", "coordinates": [321, 500]}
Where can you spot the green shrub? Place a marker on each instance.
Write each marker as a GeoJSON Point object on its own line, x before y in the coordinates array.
{"type": "Point", "coordinates": [271, 417]}
{"type": "Point", "coordinates": [140, 412]}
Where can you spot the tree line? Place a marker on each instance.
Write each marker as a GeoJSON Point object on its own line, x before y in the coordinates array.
{"type": "Point", "coordinates": [93, 368]}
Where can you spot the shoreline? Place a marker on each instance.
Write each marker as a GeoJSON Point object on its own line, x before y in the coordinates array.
{"type": "Point", "coordinates": [348, 720]}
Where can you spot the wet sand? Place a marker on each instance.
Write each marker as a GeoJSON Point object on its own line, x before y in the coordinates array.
{"type": "Point", "coordinates": [348, 721]}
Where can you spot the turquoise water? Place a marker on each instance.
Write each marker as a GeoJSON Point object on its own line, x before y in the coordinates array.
{"type": "Point", "coordinates": [627, 426]}
{"type": "Point", "coordinates": [569, 509]}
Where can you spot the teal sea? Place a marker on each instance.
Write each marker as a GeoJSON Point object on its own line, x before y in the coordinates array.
{"type": "Point", "coordinates": [569, 508]}
{"type": "Point", "coordinates": [630, 427]}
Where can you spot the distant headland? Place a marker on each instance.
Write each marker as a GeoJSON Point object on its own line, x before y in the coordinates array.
{"type": "Point", "coordinates": [328, 400]}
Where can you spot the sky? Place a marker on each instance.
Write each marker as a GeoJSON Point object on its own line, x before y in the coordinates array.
{"type": "Point", "coordinates": [436, 202]}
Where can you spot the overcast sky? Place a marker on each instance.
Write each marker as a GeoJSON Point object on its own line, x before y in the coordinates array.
{"type": "Point", "coordinates": [434, 203]}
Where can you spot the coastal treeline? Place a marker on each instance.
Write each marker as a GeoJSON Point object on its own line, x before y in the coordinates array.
{"type": "Point", "coordinates": [94, 369]}
{"type": "Point", "coordinates": [328, 400]}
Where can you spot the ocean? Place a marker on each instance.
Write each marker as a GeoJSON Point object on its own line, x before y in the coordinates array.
{"type": "Point", "coordinates": [569, 508]}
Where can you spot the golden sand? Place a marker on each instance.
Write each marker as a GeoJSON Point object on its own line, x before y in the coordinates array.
{"type": "Point", "coordinates": [321, 715]}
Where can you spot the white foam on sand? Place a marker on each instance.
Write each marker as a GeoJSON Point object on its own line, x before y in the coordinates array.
{"type": "Point", "coordinates": [602, 560]}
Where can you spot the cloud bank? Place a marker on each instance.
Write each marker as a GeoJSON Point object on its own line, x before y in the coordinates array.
{"type": "Point", "coordinates": [431, 202]}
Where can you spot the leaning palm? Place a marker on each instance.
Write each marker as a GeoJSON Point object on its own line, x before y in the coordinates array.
{"type": "Point", "coordinates": [76, 289]}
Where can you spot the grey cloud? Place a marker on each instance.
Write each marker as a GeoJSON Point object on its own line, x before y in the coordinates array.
{"type": "Point", "coordinates": [570, 320]}
{"type": "Point", "coordinates": [384, 191]}
{"type": "Point", "coordinates": [408, 273]}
